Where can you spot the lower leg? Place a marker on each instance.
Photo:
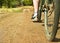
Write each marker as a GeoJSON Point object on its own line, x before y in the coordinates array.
{"type": "Point", "coordinates": [35, 3]}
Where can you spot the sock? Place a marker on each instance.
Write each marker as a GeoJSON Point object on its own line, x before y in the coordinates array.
{"type": "Point", "coordinates": [35, 14]}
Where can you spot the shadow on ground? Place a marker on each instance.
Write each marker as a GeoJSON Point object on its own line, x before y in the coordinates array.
{"type": "Point", "coordinates": [56, 40]}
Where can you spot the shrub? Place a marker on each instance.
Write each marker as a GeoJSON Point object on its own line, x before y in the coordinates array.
{"type": "Point", "coordinates": [27, 2]}
{"type": "Point", "coordinates": [14, 3]}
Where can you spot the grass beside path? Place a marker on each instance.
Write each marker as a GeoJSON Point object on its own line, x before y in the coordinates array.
{"type": "Point", "coordinates": [18, 9]}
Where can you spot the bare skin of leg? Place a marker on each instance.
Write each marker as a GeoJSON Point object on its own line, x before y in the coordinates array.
{"type": "Point", "coordinates": [35, 3]}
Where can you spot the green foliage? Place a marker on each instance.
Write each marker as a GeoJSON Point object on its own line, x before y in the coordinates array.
{"type": "Point", "coordinates": [0, 3]}
{"type": "Point", "coordinates": [27, 2]}
{"type": "Point", "coordinates": [14, 3]}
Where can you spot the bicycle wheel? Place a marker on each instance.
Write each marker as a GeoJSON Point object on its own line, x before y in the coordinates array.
{"type": "Point", "coordinates": [52, 19]}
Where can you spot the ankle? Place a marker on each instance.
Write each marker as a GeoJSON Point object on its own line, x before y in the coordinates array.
{"type": "Point", "coordinates": [35, 14]}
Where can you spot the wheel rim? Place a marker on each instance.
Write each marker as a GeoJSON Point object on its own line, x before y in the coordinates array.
{"type": "Point", "coordinates": [49, 21]}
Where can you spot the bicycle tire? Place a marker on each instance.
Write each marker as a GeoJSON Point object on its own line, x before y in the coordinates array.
{"type": "Point", "coordinates": [51, 35]}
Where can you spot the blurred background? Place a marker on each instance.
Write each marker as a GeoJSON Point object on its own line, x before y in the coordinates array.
{"type": "Point", "coordinates": [14, 3]}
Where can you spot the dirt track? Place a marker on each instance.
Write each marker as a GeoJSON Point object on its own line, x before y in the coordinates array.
{"type": "Point", "coordinates": [18, 28]}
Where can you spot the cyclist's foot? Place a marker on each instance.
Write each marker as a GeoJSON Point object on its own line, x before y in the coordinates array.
{"type": "Point", "coordinates": [34, 18]}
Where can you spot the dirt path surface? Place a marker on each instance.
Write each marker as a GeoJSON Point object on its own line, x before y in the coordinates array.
{"type": "Point", "coordinates": [18, 28]}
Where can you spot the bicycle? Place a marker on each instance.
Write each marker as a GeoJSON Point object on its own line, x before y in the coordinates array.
{"type": "Point", "coordinates": [51, 11]}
